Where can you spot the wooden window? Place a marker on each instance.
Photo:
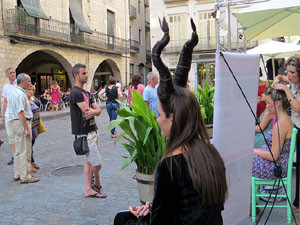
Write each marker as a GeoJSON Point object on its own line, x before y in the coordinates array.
{"type": "Point", "coordinates": [110, 23]}
{"type": "Point", "coordinates": [177, 23]}
{"type": "Point", "coordinates": [206, 29]}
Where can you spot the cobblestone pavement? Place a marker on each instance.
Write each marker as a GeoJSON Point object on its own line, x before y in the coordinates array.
{"type": "Point", "coordinates": [60, 199]}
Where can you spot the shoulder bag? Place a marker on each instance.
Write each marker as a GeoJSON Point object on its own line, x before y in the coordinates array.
{"type": "Point", "coordinates": [81, 145]}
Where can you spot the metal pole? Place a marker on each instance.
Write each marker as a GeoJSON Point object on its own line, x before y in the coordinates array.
{"type": "Point", "coordinates": [217, 27]}
{"type": "Point", "coordinates": [229, 27]}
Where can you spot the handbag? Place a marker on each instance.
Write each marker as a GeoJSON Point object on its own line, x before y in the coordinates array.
{"type": "Point", "coordinates": [81, 145]}
{"type": "Point", "coordinates": [41, 128]}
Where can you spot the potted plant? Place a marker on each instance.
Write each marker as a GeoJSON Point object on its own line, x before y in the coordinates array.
{"type": "Point", "coordinates": [144, 142]}
{"type": "Point", "coordinates": [205, 98]}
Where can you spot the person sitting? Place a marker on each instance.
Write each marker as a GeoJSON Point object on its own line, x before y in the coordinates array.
{"type": "Point", "coordinates": [45, 100]}
{"type": "Point", "coordinates": [265, 123]}
{"type": "Point", "coordinates": [263, 165]}
{"type": "Point", "coordinates": [190, 182]}
{"type": "Point", "coordinates": [262, 85]}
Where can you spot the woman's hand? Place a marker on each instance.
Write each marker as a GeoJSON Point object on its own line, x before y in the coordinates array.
{"type": "Point", "coordinates": [280, 86]}
{"type": "Point", "coordinates": [140, 210]}
{"type": "Point", "coordinates": [276, 80]}
{"type": "Point", "coordinates": [256, 151]}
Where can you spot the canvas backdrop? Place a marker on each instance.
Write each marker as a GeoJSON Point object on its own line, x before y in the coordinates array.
{"type": "Point", "coordinates": [233, 133]}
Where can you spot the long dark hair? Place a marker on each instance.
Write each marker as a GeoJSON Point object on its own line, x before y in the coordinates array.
{"type": "Point", "coordinates": [206, 167]}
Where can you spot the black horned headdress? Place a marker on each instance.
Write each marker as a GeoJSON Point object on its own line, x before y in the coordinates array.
{"type": "Point", "coordinates": [167, 85]}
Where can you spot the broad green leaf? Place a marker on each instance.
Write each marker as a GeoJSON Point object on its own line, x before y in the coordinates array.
{"type": "Point", "coordinates": [129, 148]}
{"type": "Point", "coordinates": [113, 124]}
{"type": "Point", "coordinates": [126, 163]}
{"type": "Point", "coordinates": [145, 144]}
{"type": "Point", "coordinates": [125, 125]}
{"type": "Point", "coordinates": [125, 113]}
{"type": "Point", "coordinates": [147, 134]}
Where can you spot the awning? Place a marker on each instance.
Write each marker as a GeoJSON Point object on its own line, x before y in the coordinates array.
{"type": "Point", "coordinates": [77, 14]}
{"type": "Point", "coordinates": [34, 9]}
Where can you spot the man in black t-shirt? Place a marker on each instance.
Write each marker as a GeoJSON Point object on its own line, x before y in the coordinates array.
{"type": "Point", "coordinates": [83, 112]}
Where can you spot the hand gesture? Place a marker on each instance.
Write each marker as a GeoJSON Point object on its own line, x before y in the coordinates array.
{"type": "Point", "coordinates": [140, 210]}
{"type": "Point", "coordinates": [279, 86]}
{"type": "Point", "coordinates": [89, 113]}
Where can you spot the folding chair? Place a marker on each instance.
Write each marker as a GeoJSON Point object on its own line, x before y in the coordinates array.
{"type": "Point", "coordinates": [287, 181]}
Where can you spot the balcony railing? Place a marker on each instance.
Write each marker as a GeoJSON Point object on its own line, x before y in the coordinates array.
{"type": "Point", "coordinates": [207, 44]}
{"type": "Point", "coordinates": [132, 12]}
{"type": "Point", "coordinates": [134, 46]}
{"type": "Point", "coordinates": [148, 54]}
{"type": "Point", "coordinates": [147, 26]}
{"type": "Point", "coordinates": [53, 30]}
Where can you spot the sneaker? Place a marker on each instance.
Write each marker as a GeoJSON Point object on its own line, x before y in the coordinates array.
{"type": "Point", "coordinates": [10, 162]}
{"type": "Point", "coordinates": [31, 180]}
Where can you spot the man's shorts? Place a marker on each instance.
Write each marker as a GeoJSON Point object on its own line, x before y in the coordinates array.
{"type": "Point", "coordinates": [93, 156]}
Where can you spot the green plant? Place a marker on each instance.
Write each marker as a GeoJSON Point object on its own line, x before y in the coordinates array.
{"type": "Point", "coordinates": [21, 15]}
{"type": "Point", "coordinates": [145, 144]}
{"type": "Point", "coordinates": [205, 98]}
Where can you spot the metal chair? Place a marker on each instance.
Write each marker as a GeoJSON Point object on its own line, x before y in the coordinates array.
{"type": "Point", "coordinates": [44, 103]}
{"type": "Point", "coordinates": [64, 103]}
{"type": "Point", "coordinates": [287, 181]}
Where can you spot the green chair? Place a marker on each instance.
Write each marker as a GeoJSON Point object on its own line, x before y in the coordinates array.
{"type": "Point", "coordinates": [256, 182]}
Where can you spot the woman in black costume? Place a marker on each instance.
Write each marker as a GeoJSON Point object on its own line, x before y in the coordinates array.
{"type": "Point", "coordinates": [190, 182]}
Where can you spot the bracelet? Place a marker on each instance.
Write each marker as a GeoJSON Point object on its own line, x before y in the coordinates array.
{"type": "Point", "coordinates": [292, 98]}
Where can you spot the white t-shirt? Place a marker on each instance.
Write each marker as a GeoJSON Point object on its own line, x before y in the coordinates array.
{"type": "Point", "coordinates": [118, 85]}
{"type": "Point", "coordinates": [295, 115]}
{"type": "Point", "coordinates": [8, 89]}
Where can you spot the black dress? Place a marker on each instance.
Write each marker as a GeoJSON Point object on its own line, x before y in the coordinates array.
{"type": "Point", "coordinates": [175, 199]}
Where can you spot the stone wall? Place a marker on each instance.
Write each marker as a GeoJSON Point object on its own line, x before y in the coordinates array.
{"type": "Point", "coordinates": [11, 55]}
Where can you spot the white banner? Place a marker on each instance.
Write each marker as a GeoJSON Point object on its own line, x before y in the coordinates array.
{"type": "Point", "coordinates": [233, 133]}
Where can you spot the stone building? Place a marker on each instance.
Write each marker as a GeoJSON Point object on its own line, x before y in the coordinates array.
{"type": "Point", "coordinates": [178, 14]}
{"type": "Point", "coordinates": [45, 38]}
{"type": "Point", "coordinates": [139, 35]}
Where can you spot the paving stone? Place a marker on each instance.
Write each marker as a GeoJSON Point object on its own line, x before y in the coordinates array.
{"type": "Point", "coordinates": [60, 200]}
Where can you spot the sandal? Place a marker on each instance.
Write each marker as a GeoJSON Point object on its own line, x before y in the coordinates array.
{"type": "Point", "coordinates": [96, 195]}
{"type": "Point", "coordinates": [295, 208]}
{"type": "Point", "coordinates": [35, 166]}
{"type": "Point", "coordinates": [96, 188]}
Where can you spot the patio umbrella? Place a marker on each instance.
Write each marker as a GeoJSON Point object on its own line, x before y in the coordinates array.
{"type": "Point", "coordinates": [275, 49]}
{"type": "Point", "coordinates": [270, 19]}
